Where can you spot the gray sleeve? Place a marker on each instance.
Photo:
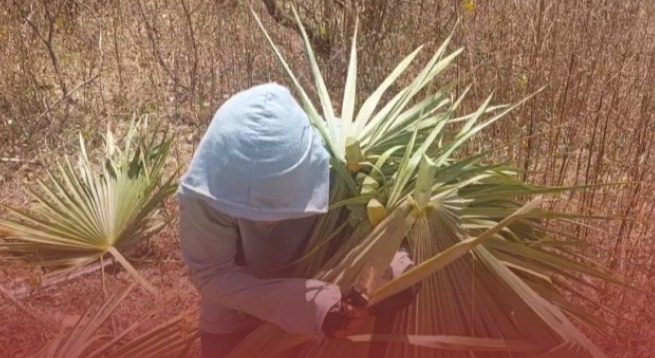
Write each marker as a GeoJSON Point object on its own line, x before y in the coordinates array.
{"type": "Point", "coordinates": [208, 240]}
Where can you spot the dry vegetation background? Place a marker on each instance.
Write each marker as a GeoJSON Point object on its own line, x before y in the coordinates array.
{"type": "Point", "coordinates": [70, 66]}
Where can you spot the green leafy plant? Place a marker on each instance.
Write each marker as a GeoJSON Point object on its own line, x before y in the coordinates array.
{"type": "Point", "coordinates": [486, 260]}
{"type": "Point", "coordinates": [82, 213]}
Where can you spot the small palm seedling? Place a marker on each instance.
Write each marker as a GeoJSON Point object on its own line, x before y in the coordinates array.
{"type": "Point", "coordinates": [81, 213]}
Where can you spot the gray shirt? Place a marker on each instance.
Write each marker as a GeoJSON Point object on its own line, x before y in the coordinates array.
{"type": "Point", "coordinates": [239, 295]}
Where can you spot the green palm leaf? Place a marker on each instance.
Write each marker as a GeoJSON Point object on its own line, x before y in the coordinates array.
{"type": "Point", "coordinates": [485, 264]}
{"type": "Point", "coordinates": [81, 214]}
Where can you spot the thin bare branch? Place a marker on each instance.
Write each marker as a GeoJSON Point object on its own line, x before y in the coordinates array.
{"type": "Point", "coordinates": [20, 161]}
{"type": "Point", "coordinates": [321, 44]}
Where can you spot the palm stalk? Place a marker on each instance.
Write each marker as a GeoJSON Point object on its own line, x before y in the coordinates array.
{"type": "Point", "coordinates": [82, 213]}
{"type": "Point", "coordinates": [86, 338]}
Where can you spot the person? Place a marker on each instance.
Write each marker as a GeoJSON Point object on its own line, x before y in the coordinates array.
{"type": "Point", "coordinates": [255, 186]}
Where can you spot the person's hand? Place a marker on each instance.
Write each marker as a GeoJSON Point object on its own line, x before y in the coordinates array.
{"type": "Point", "coordinates": [399, 301]}
{"type": "Point", "coordinates": [344, 319]}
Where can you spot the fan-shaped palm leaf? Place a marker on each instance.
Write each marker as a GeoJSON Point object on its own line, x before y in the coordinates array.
{"type": "Point", "coordinates": [80, 213]}
{"type": "Point", "coordinates": [485, 263]}
{"type": "Point", "coordinates": [440, 204]}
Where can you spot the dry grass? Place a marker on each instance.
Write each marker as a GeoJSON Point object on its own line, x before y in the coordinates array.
{"type": "Point", "coordinates": [75, 66]}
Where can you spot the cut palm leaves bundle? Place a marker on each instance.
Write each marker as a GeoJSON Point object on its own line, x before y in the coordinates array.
{"type": "Point", "coordinates": [485, 259]}
{"type": "Point", "coordinates": [87, 338]}
{"type": "Point", "coordinates": [81, 213]}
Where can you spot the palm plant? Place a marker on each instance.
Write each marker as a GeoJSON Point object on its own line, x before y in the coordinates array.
{"type": "Point", "coordinates": [486, 260]}
{"type": "Point", "coordinates": [82, 213]}
{"type": "Point", "coordinates": [86, 338]}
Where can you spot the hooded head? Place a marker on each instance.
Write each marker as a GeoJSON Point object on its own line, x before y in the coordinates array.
{"type": "Point", "coordinates": [261, 159]}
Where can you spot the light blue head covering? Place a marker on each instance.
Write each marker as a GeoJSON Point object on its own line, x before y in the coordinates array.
{"type": "Point", "coordinates": [260, 159]}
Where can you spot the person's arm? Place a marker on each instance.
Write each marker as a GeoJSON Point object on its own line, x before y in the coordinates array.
{"type": "Point", "coordinates": [208, 240]}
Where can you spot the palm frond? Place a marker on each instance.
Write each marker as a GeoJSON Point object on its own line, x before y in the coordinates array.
{"type": "Point", "coordinates": [83, 212]}
{"type": "Point", "coordinates": [485, 264]}
{"type": "Point", "coordinates": [87, 339]}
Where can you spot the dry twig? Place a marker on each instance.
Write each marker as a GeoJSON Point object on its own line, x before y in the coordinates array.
{"type": "Point", "coordinates": [321, 44]}
{"type": "Point", "coordinates": [54, 280]}
{"type": "Point", "coordinates": [21, 161]}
